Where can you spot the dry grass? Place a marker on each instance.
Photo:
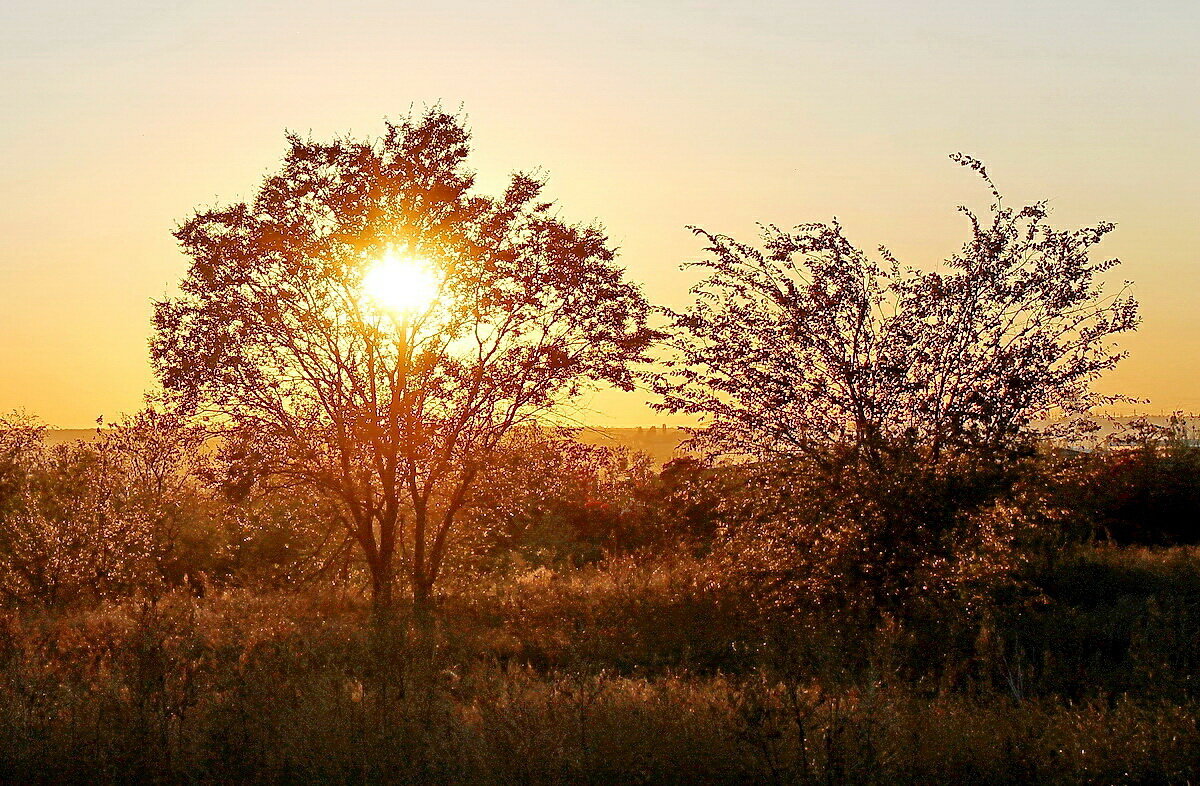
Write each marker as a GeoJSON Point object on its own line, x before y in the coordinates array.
{"type": "Point", "coordinates": [634, 672]}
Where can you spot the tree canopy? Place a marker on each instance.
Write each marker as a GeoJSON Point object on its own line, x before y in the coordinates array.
{"type": "Point", "coordinates": [807, 344]}
{"type": "Point", "coordinates": [888, 410]}
{"type": "Point", "coordinates": [392, 414]}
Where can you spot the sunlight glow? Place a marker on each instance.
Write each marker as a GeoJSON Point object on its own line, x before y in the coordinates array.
{"type": "Point", "coordinates": [403, 285]}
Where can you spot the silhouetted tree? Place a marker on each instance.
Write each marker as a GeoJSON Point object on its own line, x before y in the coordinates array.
{"type": "Point", "coordinates": [894, 400]}
{"type": "Point", "coordinates": [392, 417]}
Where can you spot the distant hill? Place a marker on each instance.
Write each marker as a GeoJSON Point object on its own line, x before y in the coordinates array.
{"type": "Point", "coordinates": [1113, 424]}
{"type": "Point", "coordinates": [57, 436]}
{"type": "Point", "coordinates": [658, 442]}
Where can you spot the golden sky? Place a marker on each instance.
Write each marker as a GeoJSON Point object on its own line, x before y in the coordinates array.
{"type": "Point", "coordinates": [121, 118]}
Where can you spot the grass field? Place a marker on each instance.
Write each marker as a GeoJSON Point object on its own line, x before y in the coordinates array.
{"type": "Point", "coordinates": [629, 671]}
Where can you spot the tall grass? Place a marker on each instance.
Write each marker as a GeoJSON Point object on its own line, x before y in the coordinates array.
{"type": "Point", "coordinates": [636, 671]}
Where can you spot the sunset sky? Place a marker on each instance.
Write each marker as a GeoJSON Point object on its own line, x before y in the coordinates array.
{"type": "Point", "coordinates": [121, 118]}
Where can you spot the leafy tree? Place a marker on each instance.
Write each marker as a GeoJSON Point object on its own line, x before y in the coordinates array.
{"type": "Point", "coordinates": [890, 404]}
{"type": "Point", "coordinates": [391, 414]}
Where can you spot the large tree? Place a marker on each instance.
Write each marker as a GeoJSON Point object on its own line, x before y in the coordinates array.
{"type": "Point", "coordinates": [894, 400]}
{"type": "Point", "coordinates": [370, 327]}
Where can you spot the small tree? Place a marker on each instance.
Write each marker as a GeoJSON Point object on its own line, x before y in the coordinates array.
{"type": "Point", "coordinates": [901, 395]}
{"type": "Point", "coordinates": [324, 370]}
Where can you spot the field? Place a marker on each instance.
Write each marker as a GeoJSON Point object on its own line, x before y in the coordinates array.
{"type": "Point", "coordinates": [625, 671]}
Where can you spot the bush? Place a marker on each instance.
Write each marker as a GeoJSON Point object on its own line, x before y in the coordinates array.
{"type": "Point", "coordinates": [801, 535]}
{"type": "Point", "coordinates": [1147, 491]}
{"type": "Point", "coordinates": [72, 522]}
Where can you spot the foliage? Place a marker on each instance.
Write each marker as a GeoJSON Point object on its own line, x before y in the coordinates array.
{"type": "Point", "coordinates": [287, 687]}
{"type": "Point", "coordinates": [392, 418]}
{"type": "Point", "coordinates": [551, 498]}
{"type": "Point", "coordinates": [73, 518]}
{"type": "Point", "coordinates": [1146, 487]}
{"type": "Point", "coordinates": [801, 539]}
{"type": "Point", "coordinates": [890, 413]}
{"type": "Point", "coordinates": [807, 348]}
{"type": "Point", "coordinates": [684, 501]}
{"type": "Point", "coordinates": [135, 510]}
{"type": "Point", "coordinates": [1113, 621]}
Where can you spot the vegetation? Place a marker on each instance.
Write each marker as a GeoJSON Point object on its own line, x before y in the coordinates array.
{"type": "Point", "coordinates": [628, 670]}
{"type": "Point", "coordinates": [331, 354]}
{"type": "Point", "coordinates": [875, 567]}
{"type": "Point", "coordinates": [891, 412]}
{"type": "Point", "coordinates": [595, 629]}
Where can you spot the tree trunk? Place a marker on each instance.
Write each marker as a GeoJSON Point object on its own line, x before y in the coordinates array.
{"type": "Point", "coordinates": [382, 594]}
{"type": "Point", "coordinates": [422, 599]}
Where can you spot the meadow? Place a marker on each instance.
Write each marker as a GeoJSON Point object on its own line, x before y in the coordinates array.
{"type": "Point", "coordinates": [630, 670]}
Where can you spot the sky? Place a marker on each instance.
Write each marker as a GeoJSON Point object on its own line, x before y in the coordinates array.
{"type": "Point", "coordinates": [120, 119]}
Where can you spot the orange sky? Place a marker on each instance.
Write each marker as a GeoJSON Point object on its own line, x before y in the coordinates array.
{"type": "Point", "coordinates": [120, 118]}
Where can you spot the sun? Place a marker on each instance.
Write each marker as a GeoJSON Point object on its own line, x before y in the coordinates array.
{"type": "Point", "coordinates": [403, 285]}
